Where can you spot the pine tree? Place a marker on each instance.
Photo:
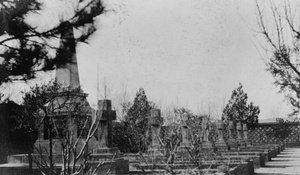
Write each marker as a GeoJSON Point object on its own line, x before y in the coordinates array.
{"type": "Point", "coordinates": [139, 112]}
{"type": "Point", "coordinates": [237, 109]}
{"type": "Point", "coordinates": [25, 47]}
{"type": "Point", "coordinates": [136, 124]}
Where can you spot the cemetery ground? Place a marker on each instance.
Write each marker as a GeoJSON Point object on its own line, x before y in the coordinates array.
{"type": "Point", "coordinates": [66, 136]}
{"type": "Point", "coordinates": [241, 151]}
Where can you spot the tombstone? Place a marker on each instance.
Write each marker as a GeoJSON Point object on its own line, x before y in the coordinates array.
{"type": "Point", "coordinates": [186, 136]}
{"type": "Point", "coordinates": [113, 160]}
{"type": "Point", "coordinates": [155, 122]}
{"type": "Point", "coordinates": [231, 137]}
{"type": "Point", "coordinates": [240, 139]}
{"type": "Point", "coordinates": [185, 145]}
{"type": "Point", "coordinates": [105, 115]}
{"type": "Point", "coordinates": [245, 133]}
{"type": "Point", "coordinates": [206, 144]}
{"type": "Point", "coordinates": [220, 143]}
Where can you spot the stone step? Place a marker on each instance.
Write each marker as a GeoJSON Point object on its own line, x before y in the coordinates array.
{"type": "Point", "coordinates": [105, 156]}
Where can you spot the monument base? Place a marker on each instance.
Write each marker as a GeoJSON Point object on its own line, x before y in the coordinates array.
{"type": "Point", "coordinates": [241, 143]}
{"type": "Point", "coordinates": [207, 147]}
{"type": "Point", "coordinates": [221, 145]}
{"type": "Point", "coordinates": [233, 145]}
{"type": "Point", "coordinates": [247, 142]}
{"type": "Point", "coordinates": [112, 167]}
{"type": "Point", "coordinates": [111, 161]}
{"type": "Point", "coordinates": [184, 150]}
{"type": "Point", "coordinates": [106, 150]}
{"type": "Point", "coordinates": [156, 152]}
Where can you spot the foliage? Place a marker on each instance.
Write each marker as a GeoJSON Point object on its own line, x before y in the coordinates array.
{"type": "Point", "coordinates": [58, 108]}
{"type": "Point", "coordinates": [135, 125]}
{"type": "Point", "coordinates": [17, 130]}
{"type": "Point", "coordinates": [139, 112]}
{"type": "Point", "coordinates": [237, 109]}
{"type": "Point", "coordinates": [171, 138]}
{"type": "Point", "coordinates": [25, 47]}
{"type": "Point", "coordinates": [282, 130]}
{"type": "Point", "coordinates": [278, 24]}
{"type": "Point", "coordinates": [128, 138]}
{"type": "Point", "coordinates": [23, 126]}
{"type": "Point", "coordinates": [252, 113]}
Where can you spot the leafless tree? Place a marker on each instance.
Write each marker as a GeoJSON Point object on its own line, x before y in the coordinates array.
{"type": "Point", "coordinates": [66, 117]}
{"type": "Point", "coordinates": [278, 23]}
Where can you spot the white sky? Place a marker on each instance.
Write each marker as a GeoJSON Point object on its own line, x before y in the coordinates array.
{"type": "Point", "coordinates": [189, 53]}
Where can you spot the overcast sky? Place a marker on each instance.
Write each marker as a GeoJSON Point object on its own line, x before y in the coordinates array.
{"type": "Point", "coordinates": [189, 53]}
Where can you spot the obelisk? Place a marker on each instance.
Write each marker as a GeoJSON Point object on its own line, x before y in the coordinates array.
{"type": "Point", "coordinates": [68, 75]}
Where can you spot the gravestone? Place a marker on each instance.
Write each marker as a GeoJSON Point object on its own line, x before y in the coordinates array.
{"type": "Point", "coordinates": [206, 144]}
{"type": "Point", "coordinates": [231, 137]}
{"type": "Point", "coordinates": [185, 145]}
{"type": "Point", "coordinates": [240, 139]}
{"type": "Point", "coordinates": [155, 122]}
{"type": "Point", "coordinates": [220, 143]}
{"type": "Point", "coordinates": [245, 133]}
{"type": "Point", "coordinates": [113, 160]}
{"type": "Point", "coordinates": [105, 115]}
{"type": "Point", "coordinates": [186, 136]}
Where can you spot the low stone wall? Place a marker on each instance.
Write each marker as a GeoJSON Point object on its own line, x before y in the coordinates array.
{"type": "Point", "coordinates": [264, 133]}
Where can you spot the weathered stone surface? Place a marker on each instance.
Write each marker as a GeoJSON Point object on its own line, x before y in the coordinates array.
{"type": "Point", "coordinates": [155, 122]}
{"type": "Point", "coordinates": [220, 143]}
{"type": "Point", "coordinates": [186, 136]}
{"type": "Point", "coordinates": [240, 139]}
{"type": "Point", "coordinates": [185, 147]}
{"type": "Point", "coordinates": [105, 116]}
{"type": "Point", "coordinates": [206, 144]}
{"type": "Point", "coordinates": [232, 143]}
{"type": "Point", "coordinates": [247, 141]}
{"type": "Point", "coordinates": [69, 75]}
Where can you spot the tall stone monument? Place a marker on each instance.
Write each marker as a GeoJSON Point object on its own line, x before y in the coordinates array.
{"type": "Point", "coordinates": [66, 76]}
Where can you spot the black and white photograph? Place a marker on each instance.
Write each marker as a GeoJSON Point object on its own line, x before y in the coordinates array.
{"type": "Point", "coordinates": [149, 87]}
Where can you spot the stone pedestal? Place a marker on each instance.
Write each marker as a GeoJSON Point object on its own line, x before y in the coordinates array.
{"type": "Point", "coordinates": [220, 143]}
{"type": "Point", "coordinates": [155, 122]}
{"type": "Point", "coordinates": [232, 143]}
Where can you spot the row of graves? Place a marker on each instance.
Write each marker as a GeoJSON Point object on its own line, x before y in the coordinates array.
{"type": "Point", "coordinates": [234, 154]}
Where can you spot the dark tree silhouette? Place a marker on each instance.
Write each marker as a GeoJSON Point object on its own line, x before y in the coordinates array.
{"type": "Point", "coordinates": [25, 48]}
{"type": "Point", "coordinates": [237, 109]}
